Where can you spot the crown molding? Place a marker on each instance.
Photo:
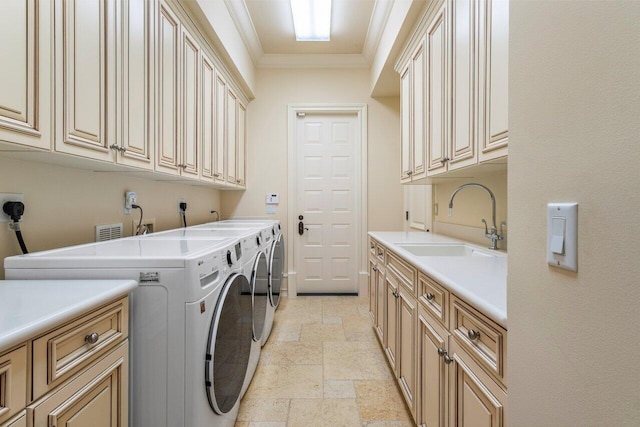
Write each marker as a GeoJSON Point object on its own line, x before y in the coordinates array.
{"type": "Point", "coordinates": [377, 24]}
{"type": "Point", "coordinates": [242, 20]}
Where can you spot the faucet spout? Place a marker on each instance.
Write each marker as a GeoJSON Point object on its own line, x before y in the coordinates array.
{"type": "Point", "coordinates": [493, 234]}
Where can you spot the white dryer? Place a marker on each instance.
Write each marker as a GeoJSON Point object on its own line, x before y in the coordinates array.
{"type": "Point", "coordinates": [189, 333]}
{"type": "Point", "coordinates": [255, 269]}
{"type": "Point", "coordinates": [272, 237]}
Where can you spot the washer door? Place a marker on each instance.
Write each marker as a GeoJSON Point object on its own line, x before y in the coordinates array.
{"type": "Point", "coordinates": [276, 265]}
{"type": "Point", "coordinates": [229, 345]}
{"type": "Point", "coordinates": [260, 286]}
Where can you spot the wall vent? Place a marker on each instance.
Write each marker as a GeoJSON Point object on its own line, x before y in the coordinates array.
{"type": "Point", "coordinates": [108, 232]}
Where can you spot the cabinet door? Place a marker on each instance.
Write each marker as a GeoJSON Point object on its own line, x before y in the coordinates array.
{"type": "Point", "coordinates": [373, 285]}
{"type": "Point", "coordinates": [418, 114]}
{"type": "Point", "coordinates": [407, 325]}
{"type": "Point", "coordinates": [381, 303]}
{"type": "Point", "coordinates": [220, 152]}
{"type": "Point", "coordinates": [85, 76]}
{"type": "Point", "coordinates": [463, 83]}
{"type": "Point", "coordinates": [232, 136]}
{"type": "Point", "coordinates": [437, 92]}
{"type": "Point", "coordinates": [405, 125]}
{"type": "Point", "coordinates": [433, 371]}
{"type": "Point", "coordinates": [190, 109]}
{"type": "Point", "coordinates": [207, 125]}
{"type": "Point", "coordinates": [135, 86]}
{"type": "Point", "coordinates": [494, 78]}
{"type": "Point", "coordinates": [242, 145]}
{"type": "Point", "coordinates": [391, 319]}
{"type": "Point", "coordinates": [26, 86]}
{"type": "Point", "coordinates": [96, 397]}
{"type": "Point", "coordinates": [168, 73]}
{"type": "Point", "coordinates": [475, 398]}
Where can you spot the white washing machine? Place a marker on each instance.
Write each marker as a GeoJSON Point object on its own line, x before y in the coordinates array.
{"type": "Point", "coordinates": [272, 238]}
{"type": "Point", "coordinates": [254, 269]}
{"type": "Point", "coordinates": [190, 340]}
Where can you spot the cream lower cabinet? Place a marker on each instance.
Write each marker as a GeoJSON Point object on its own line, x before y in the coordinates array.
{"type": "Point", "coordinates": [448, 358]}
{"type": "Point", "coordinates": [77, 373]}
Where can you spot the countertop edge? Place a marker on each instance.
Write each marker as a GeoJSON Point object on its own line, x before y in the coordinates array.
{"type": "Point", "coordinates": [58, 317]}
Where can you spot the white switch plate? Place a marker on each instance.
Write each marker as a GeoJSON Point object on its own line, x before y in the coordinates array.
{"type": "Point", "coordinates": [271, 209]}
{"type": "Point", "coordinates": [559, 240]}
{"type": "Point", "coordinates": [272, 199]}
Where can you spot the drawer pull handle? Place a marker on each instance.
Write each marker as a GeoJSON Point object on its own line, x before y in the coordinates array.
{"type": "Point", "coordinates": [473, 334]}
{"type": "Point", "coordinates": [441, 351]}
{"type": "Point", "coordinates": [92, 338]}
{"type": "Point", "coordinates": [396, 294]}
{"type": "Point", "coordinates": [430, 296]}
{"type": "Point", "coordinates": [447, 359]}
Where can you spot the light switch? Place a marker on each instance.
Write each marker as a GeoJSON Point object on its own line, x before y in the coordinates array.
{"type": "Point", "coordinates": [271, 209]}
{"type": "Point", "coordinates": [562, 235]}
{"type": "Point", "coordinates": [557, 234]}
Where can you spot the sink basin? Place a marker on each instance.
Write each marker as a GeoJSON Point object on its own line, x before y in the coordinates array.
{"type": "Point", "coordinates": [443, 249]}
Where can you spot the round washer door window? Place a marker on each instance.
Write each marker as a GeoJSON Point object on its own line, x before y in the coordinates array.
{"type": "Point", "coordinates": [276, 266]}
{"type": "Point", "coordinates": [260, 286]}
{"type": "Point", "coordinates": [229, 345]}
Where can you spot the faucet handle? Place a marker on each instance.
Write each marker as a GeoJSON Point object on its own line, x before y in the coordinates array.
{"type": "Point", "coordinates": [486, 231]}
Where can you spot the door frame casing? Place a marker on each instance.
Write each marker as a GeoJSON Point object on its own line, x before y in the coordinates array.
{"type": "Point", "coordinates": [360, 110]}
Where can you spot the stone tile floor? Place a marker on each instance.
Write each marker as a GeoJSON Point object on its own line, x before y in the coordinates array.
{"type": "Point", "coordinates": [323, 367]}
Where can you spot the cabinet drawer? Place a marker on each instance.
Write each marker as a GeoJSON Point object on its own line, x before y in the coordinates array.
{"type": "Point", "coordinates": [372, 246]}
{"type": "Point", "coordinates": [68, 349]}
{"type": "Point", "coordinates": [434, 298]}
{"type": "Point", "coordinates": [21, 421]}
{"type": "Point", "coordinates": [405, 272]}
{"type": "Point", "coordinates": [380, 251]}
{"type": "Point", "coordinates": [481, 337]}
{"type": "Point", "coordinates": [13, 383]}
{"type": "Point", "coordinates": [98, 394]}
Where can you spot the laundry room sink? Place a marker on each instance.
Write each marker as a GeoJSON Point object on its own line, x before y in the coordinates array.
{"type": "Point", "coordinates": [443, 249]}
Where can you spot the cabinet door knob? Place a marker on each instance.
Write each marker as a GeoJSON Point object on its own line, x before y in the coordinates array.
{"type": "Point", "coordinates": [429, 296]}
{"type": "Point", "coordinates": [216, 175]}
{"type": "Point", "coordinates": [114, 147]}
{"type": "Point", "coordinates": [441, 351]}
{"type": "Point", "coordinates": [375, 268]}
{"type": "Point", "coordinates": [238, 181]}
{"type": "Point", "coordinates": [447, 359]}
{"type": "Point", "coordinates": [122, 149]}
{"type": "Point", "coordinates": [395, 294]}
{"type": "Point", "coordinates": [473, 334]}
{"type": "Point", "coordinates": [92, 338]}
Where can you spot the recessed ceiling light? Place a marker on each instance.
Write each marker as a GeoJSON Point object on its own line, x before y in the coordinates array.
{"type": "Point", "coordinates": [312, 19]}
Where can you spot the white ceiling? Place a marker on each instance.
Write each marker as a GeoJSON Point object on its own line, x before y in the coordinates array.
{"type": "Point", "coordinates": [267, 29]}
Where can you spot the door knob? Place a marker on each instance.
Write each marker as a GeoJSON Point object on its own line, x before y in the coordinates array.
{"type": "Point", "coordinates": [301, 228]}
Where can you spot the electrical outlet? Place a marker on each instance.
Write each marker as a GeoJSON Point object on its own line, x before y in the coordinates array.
{"type": "Point", "coordinates": [8, 197]}
{"type": "Point", "coordinates": [129, 201]}
{"type": "Point", "coordinates": [180, 201]}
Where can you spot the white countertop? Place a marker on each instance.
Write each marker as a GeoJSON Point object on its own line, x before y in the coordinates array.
{"type": "Point", "coordinates": [480, 281]}
{"type": "Point", "coordinates": [31, 307]}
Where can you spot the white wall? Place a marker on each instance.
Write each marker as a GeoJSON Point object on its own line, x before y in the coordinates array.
{"type": "Point", "coordinates": [63, 205]}
{"type": "Point", "coordinates": [574, 109]}
{"type": "Point", "coordinates": [267, 141]}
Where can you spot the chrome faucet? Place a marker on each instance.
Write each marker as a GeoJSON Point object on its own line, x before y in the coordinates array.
{"type": "Point", "coordinates": [493, 235]}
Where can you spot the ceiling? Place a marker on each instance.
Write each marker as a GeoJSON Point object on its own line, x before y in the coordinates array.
{"type": "Point", "coordinates": [267, 29]}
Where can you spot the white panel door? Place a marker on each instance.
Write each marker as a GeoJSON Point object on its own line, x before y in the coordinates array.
{"type": "Point", "coordinates": [327, 170]}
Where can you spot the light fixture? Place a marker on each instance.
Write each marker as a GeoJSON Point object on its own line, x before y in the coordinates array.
{"type": "Point", "coordinates": [311, 19]}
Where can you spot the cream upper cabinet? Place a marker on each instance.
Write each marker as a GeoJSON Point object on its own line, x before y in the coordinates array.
{"type": "Point", "coordinates": [462, 150]}
{"type": "Point", "coordinates": [167, 98]}
{"type": "Point", "coordinates": [135, 95]}
{"type": "Point", "coordinates": [437, 93]}
{"type": "Point", "coordinates": [465, 121]}
{"type": "Point", "coordinates": [405, 125]}
{"type": "Point", "coordinates": [493, 22]}
{"type": "Point", "coordinates": [220, 149]}
{"type": "Point", "coordinates": [85, 74]}
{"type": "Point", "coordinates": [232, 136]}
{"type": "Point", "coordinates": [413, 110]}
{"type": "Point", "coordinates": [207, 124]}
{"type": "Point", "coordinates": [190, 76]}
{"type": "Point", "coordinates": [25, 76]}
{"type": "Point", "coordinates": [241, 159]}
